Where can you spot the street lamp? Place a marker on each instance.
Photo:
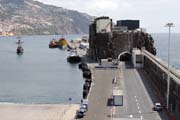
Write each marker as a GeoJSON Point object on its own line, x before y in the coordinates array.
{"type": "Point", "coordinates": [169, 25]}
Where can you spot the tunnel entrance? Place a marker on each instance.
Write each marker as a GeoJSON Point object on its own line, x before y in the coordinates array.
{"type": "Point", "coordinates": [125, 56]}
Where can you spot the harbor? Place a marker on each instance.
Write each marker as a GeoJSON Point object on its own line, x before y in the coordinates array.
{"type": "Point", "coordinates": [105, 88]}
{"type": "Point", "coordinates": [107, 60]}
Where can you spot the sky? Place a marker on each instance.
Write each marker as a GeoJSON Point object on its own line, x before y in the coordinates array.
{"type": "Point", "coordinates": [153, 14]}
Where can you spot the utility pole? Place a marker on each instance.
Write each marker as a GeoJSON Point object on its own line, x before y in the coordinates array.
{"type": "Point", "coordinates": [169, 25]}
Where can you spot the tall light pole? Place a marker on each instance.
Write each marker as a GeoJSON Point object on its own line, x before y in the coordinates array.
{"type": "Point", "coordinates": [169, 25]}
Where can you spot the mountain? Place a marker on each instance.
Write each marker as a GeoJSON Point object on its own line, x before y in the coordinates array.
{"type": "Point", "coordinates": [32, 17]}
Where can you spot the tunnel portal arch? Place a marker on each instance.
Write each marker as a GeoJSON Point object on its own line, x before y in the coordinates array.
{"type": "Point", "coordinates": [125, 56]}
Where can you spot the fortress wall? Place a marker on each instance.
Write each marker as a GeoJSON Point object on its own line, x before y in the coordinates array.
{"type": "Point", "coordinates": [159, 79]}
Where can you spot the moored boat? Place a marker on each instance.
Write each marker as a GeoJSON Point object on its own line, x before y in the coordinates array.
{"type": "Point", "coordinates": [62, 43]}
{"type": "Point", "coordinates": [53, 44]}
{"type": "Point", "coordinates": [19, 42]}
{"type": "Point", "coordinates": [20, 50]}
{"type": "Point", "coordinates": [73, 57]}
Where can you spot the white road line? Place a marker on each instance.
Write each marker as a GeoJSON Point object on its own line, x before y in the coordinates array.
{"type": "Point", "coordinates": [139, 111]}
{"type": "Point", "coordinates": [131, 116]}
{"type": "Point", "coordinates": [141, 117]}
{"type": "Point", "coordinates": [135, 96]}
{"type": "Point", "coordinates": [114, 110]}
{"type": "Point", "coordinates": [138, 107]}
{"type": "Point", "coordinates": [136, 100]}
{"type": "Point", "coordinates": [137, 104]}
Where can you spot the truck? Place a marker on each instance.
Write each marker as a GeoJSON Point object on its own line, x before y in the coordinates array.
{"type": "Point", "coordinates": [117, 97]}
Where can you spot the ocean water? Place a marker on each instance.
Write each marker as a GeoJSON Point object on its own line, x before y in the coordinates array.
{"type": "Point", "coordinates": [40, 75]}
{"type": "Point", "coordinates": [161, 44]}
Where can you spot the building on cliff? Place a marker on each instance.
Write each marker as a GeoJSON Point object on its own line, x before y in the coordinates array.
{"type": "Point", "coordinates": [109, 41]}
{"type": "Point", "coordinates": [130, 24]}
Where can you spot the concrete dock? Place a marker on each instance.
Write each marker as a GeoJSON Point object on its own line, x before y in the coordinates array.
{"type": "Point", "coordinates": [38, 111]}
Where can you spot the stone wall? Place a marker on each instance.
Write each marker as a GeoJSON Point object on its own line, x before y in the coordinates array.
{"type": "Point", "coordinates": [111, 44]}
{"type": "Point", "coordinates": [104, 45]}
{"type": "Point", "coordinates": [121, 41]}
{"type": "Point", "coordinates": [101, 46]}
{"type": "Point", "coordinates": [159, 78]}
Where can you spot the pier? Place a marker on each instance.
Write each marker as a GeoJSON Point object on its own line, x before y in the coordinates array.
{"type": "Point", "coordinates": [38, 111]}
{"type": "Point", "coordinates": [138, 95]}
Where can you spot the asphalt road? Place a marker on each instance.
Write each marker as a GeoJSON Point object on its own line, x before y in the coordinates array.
{"type": "Point", "coordinates": [139, 97]}
{"type": "Point", "coordinates": [100, 95]}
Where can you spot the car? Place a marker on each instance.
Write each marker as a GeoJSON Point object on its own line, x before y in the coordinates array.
{"type": "Point", "coordinates": [157, 107]}
{"type": "Point", "coordinates": [79, 114]}
{"type": "Point", "coordinates": [83, 108]}
{"type": "Point", "coordinates": [109, 59]}
{"type": "Point", "coordinates": [84, 102]}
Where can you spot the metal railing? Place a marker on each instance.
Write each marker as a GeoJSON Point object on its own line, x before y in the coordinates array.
{"type": "Point", "coordinates": [154, 58]}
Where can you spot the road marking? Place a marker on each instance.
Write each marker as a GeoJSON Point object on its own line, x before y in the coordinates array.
{"type": "Point", "coordinates": [131, 116]}
{"type": "Point", "coordinates": [137, 104]}
{"type": "Point", "coordinates": [141, 117]}
{"type": "Point", "coordinates": [135, 96]}
{"type": "Point", "coordinates": [139, 111]}
{"type": "Point", "coordinates": [114, 111]}
{"type": "Point", "coordinates": [136, 100]}
{"type": "Point", "coordinates": [138, 107]}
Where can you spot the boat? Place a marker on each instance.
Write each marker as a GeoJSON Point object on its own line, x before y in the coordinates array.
{"type": "Point", "coordinates": [53, 44]}
{"type": "Point", "coordinates": [20, 50]}
{"type": "Point", "coordinates": [73, 57]}
{"type": "Point", "coordinates": [19, 42]}
{"type": "Point", "coordinates": [62, 43]}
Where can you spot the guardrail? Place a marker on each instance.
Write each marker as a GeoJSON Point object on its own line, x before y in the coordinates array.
{"type": "Point", "coordinates": [149, 55]}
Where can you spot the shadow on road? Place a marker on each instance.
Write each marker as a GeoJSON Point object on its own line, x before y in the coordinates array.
{"type": "Point", "coordinates": [152, 91]}
{"type": "Point", "coordinates": [109, 102]}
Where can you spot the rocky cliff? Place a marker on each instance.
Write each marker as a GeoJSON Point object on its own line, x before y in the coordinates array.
{"type": "Point", "coordinates": [32, 17]}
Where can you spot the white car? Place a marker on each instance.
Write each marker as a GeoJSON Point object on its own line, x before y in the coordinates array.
{"type": "Point", "coordinates": [157, 107]}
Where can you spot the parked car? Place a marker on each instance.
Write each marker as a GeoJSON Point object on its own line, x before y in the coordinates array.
{"type": "Point", "coordinates": [83, 108]}
{"type": "Point", "coordinates": [157, 107]}
{"type": "Point", "coordinates": [109, 59]}
{"type": "Point", "coordinates": [84, 103]}
{"type": "Point", "coordinates": [79, 114]}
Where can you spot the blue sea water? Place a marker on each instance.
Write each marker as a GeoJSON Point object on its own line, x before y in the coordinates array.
{"type": "Point", "coordinates": [161, 45]}
{"type": "Point", "coordinates": [40, 75]}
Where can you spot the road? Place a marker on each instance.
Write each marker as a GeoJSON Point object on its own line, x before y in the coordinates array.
{"type": "Point", "coordinates": [100, 95]}
{"type": "Point", "coordinates": [138, 96]}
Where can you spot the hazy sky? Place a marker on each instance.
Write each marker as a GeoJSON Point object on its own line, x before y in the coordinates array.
{"type": "Point", "coordinates": [154, 14]}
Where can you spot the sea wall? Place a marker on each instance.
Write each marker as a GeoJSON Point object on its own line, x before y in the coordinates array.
{"type": "Point", "coordinates": [159, 79]}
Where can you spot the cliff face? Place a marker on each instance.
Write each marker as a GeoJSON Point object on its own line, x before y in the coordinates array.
{"type": "Point", "coordinates": [32, 17]}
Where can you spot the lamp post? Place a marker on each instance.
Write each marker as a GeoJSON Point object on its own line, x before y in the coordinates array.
{"type": "Point", "coordinates": [169, 25]}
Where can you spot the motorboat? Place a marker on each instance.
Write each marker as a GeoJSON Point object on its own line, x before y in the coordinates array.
{"type": "Point", "coordinates": [62, 43]}
{"type": "Point", "coordinates": [73, 57]}
{"type": "Point", "coordinates": [19, 42]}
{"type": "Point", "coordinates": [20, 50]}
{"type": "Point", "coordinates": [53, 44]}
